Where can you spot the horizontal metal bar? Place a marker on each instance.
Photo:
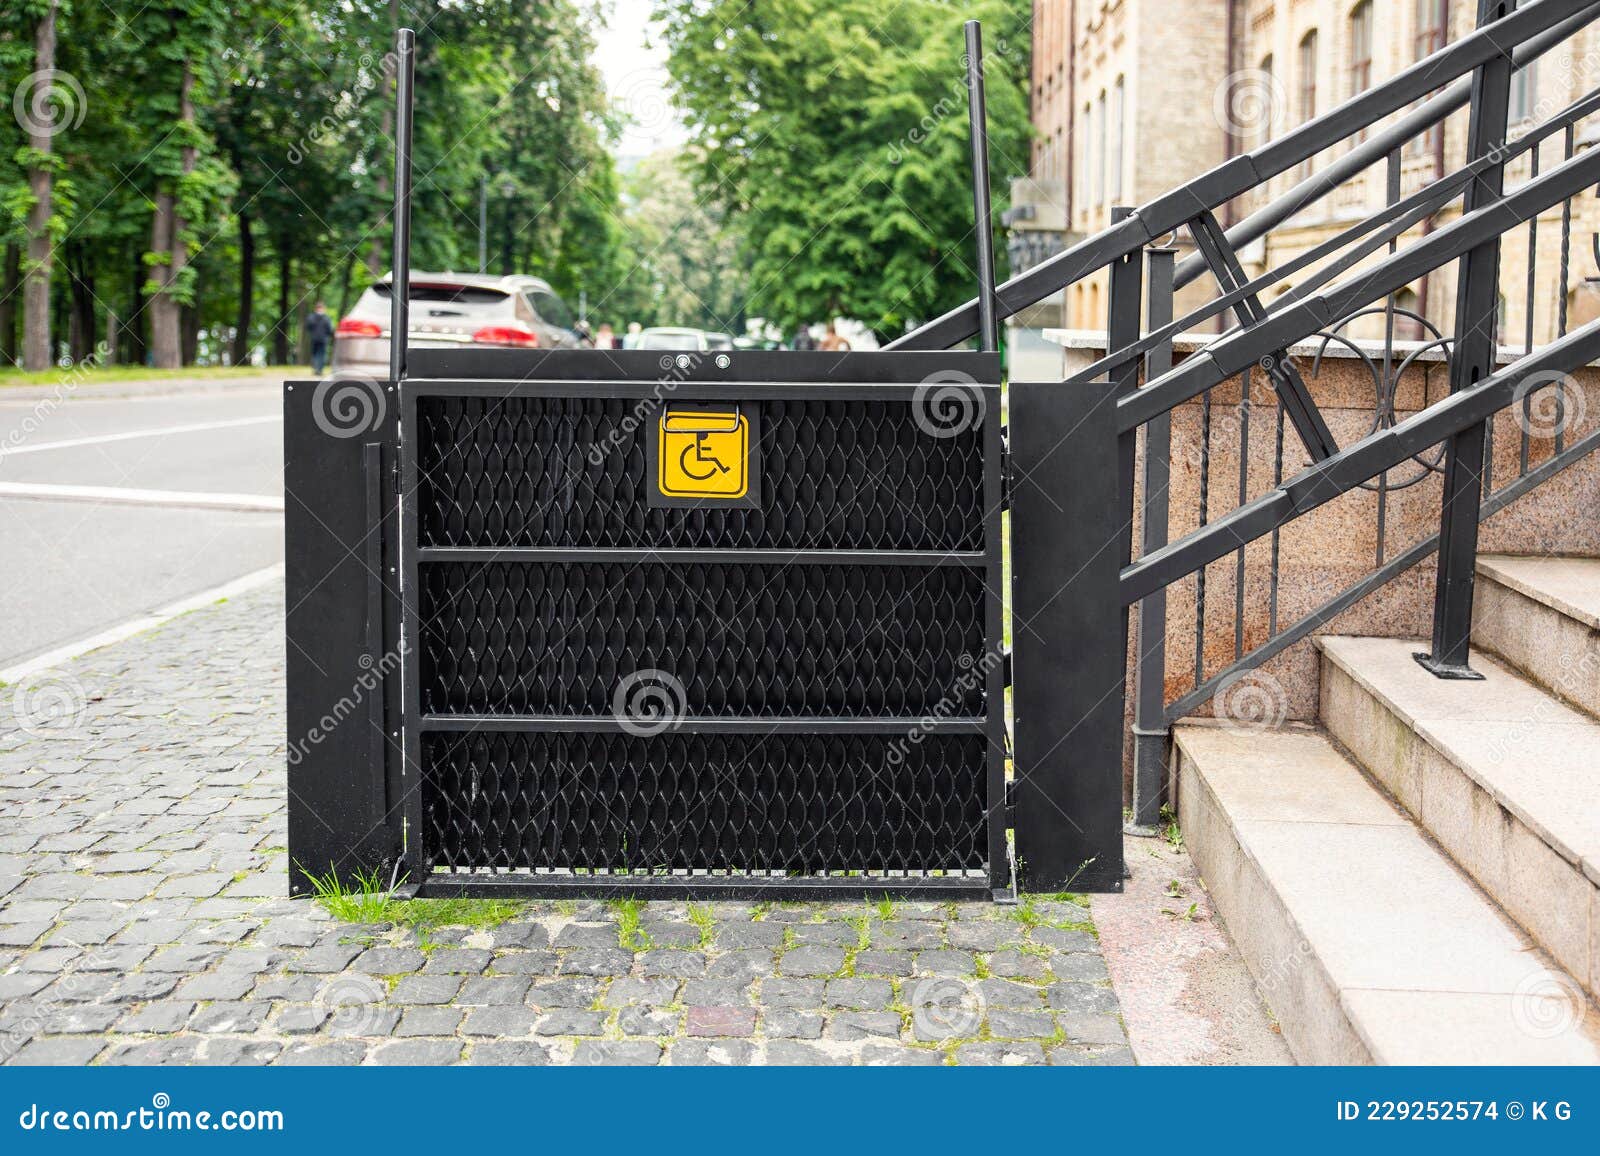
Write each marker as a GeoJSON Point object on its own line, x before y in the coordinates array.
{"type": "Point", "coordinates": [763, 725]}
{"type": "Point", "coordinates": [506, 367]}
{"type": "Point", "coordinates": [1326, 480]}
{"type": "Point", "coordinates": [1298, 320]}
{"type": "Point", "coordinates": [1241, 173]}
{"type": "Point", "coordinates": [486, 554]}
{"type": "Point", "coordinates": [456, 885]}
{"type": "Point", "coordinates": [1385, 574]}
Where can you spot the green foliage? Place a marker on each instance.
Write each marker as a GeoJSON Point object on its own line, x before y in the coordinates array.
{"type": "Point", "coordinates": [281, 175]}
{"type": "Point", "coordinates": [834, 135]}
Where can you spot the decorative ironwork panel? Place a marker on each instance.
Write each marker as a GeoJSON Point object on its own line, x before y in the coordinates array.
{"type": "Point", "coordinates": [571, 472]}
{"type": "Point", "coordinates": [740, 804]}
{"type": "Point", "coordinates": [732, 639]}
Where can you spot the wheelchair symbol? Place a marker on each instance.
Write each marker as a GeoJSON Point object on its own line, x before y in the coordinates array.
{"type": "Point", "coordinates": [701, 457]}
{"type": "Point", "coordinates": [703, 453]}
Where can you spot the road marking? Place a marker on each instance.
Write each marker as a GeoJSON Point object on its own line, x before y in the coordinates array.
{"type": "Point", "coordinates": [129, 435]}
{"type": "Point", "coordinates": [139, 625]}
{"type": "Point", "coordinates": [130, 496]}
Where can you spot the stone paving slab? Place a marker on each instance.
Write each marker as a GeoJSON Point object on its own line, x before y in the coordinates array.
{"type": "Point", "coordinates": [144, 919]}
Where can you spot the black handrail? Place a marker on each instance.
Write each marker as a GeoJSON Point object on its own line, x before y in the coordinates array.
{"type": "Point", "coordinates": [1384, 225]}
{"type": "Point", "coordinates": [1233, 177]}
{"type": "Point", "coordinates": [1326, 480]}
{"type": "Point", "coordinates": [1297, 320]}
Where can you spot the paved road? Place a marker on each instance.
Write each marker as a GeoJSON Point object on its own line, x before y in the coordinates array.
{"type": "Point", "coordinates": [143, 920]}
{"type": "Point", "coordinates": [135, 537]}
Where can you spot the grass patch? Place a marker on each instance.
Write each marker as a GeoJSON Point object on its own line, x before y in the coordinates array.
{"type": "Point", "coordinates": [630, 932]}
{"type": "Point", "coordinates": [370, 902]}
{"type": "Point", "coordinates": [705, 922]}
{"type": "Point", "coordinates": [112, 374]}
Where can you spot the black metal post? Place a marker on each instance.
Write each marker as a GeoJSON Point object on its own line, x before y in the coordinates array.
{"type": "Point", "coordinates": [983, 219]}
{"type": "Point", "coordinates": [1069, 650]}
{"type": "Point", "coordinates": [1150, 731]}
{"type": "Point", "coordinates": [400, 282]}
{"type": "Point", "coordinates": [1477, 307]}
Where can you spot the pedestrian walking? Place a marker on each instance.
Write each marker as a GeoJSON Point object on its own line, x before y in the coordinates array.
{"type": "Point", "coordinates": [319, 328]}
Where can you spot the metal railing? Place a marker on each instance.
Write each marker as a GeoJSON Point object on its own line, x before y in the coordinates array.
{"type": "Point", "coordinates": [1351, 280]}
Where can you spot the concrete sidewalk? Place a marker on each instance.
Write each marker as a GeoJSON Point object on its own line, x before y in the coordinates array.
{"type": "Point", "coordinates": [143, 919]}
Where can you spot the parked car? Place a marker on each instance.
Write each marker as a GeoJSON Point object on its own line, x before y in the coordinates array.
{"type": "Point", "coordinates": [455, 309]}
{"type": "Point", "coordinates": [669, 338]}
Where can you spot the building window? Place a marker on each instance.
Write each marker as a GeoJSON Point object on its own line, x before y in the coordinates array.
{"type": "Point", "coordinates": [1426, 40]}
{"type": "Point", "coordinates": [1306, 92]}
{"type": "Point", "coordinates": [1361, 48]}
{"type": "Point", "coordinates": [1100, 149]}
{"type": "Point", "coordinates": [1524, 96]}
{"type": "Point", "coordinates": [1115, 151]}
{"type": "Point", "coordinates": [1086, 158]}
{"type": "Point", "coordinates": [1270, 112]}
{"type": "Point", "coordinates": [1306, 96]}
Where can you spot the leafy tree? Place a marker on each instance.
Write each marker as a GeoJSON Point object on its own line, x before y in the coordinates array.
{"type": "Point", "coordinates": [834, 134]}
{"type": "Point", "coordinates": [682, 266]}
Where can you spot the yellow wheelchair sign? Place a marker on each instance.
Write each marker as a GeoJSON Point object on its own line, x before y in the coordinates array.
{"type": "Point", "coordinates": [703, 453]}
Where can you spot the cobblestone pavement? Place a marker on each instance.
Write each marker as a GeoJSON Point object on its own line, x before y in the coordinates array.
{"type": "Point", "coordinates": [144, 919]}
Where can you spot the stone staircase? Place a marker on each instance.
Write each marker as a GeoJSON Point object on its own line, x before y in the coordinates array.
{"type": "Point", "coordinates": [1417, 881]}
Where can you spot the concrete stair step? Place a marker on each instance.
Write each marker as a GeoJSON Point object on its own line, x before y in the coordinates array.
{"type": "Point", "coordinates": [1501, 773]}
{"type": "Point", "coordinates": [1542, 615]}
{"type": "Point", "coordinates": [1369, 945]}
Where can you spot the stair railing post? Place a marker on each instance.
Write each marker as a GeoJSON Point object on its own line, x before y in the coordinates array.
{"type": "Point", "coordinates": [1150, 730]}
{"type": "Point", "coordinates": [1473, 359]}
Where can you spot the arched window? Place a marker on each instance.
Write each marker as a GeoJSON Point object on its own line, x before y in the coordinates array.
{"type": "Point", "coordinates": [1114, 152]}
{"type": "Point", "coordinates": [1306, 86]}
{"type": "Point", "coordinates": [1100, 148]}
{"type": "Point", "coordinates": [1427, 38]}
{"type": "Point", "coordinates": [1306, 93]}
{"type": "Point", "coordinates": [1269, 110]}
{"type": "Point", "coordinates": [1360, 48]}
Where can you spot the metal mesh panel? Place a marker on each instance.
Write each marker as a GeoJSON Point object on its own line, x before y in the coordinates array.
{"type": "Point", "coordinates": [682, 801]}
{"type": "Point", "coordinates": [570, 472]}
{"type": "Point", "coordinates": [737, 639]}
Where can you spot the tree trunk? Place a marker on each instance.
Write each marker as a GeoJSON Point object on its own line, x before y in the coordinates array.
{"type": "Point", "coordinates": [80, 321]}
{"type": "Point", "coordinates": [247, 291]}
{"type": "Point", "coordinates": [8, 304]}
{"type": "Point", "coordinates": [136, 312]}
{"type": "Point", "coordinates": [189, 331]}
{"type": "Point", "coordinates": [280, 331]}
{"type": "Point", "coordinates": [166, 241]}
{"type": "Point", "coordinates": [36, 352]}
{"type": "Point", "coordinates": [344, 285]}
